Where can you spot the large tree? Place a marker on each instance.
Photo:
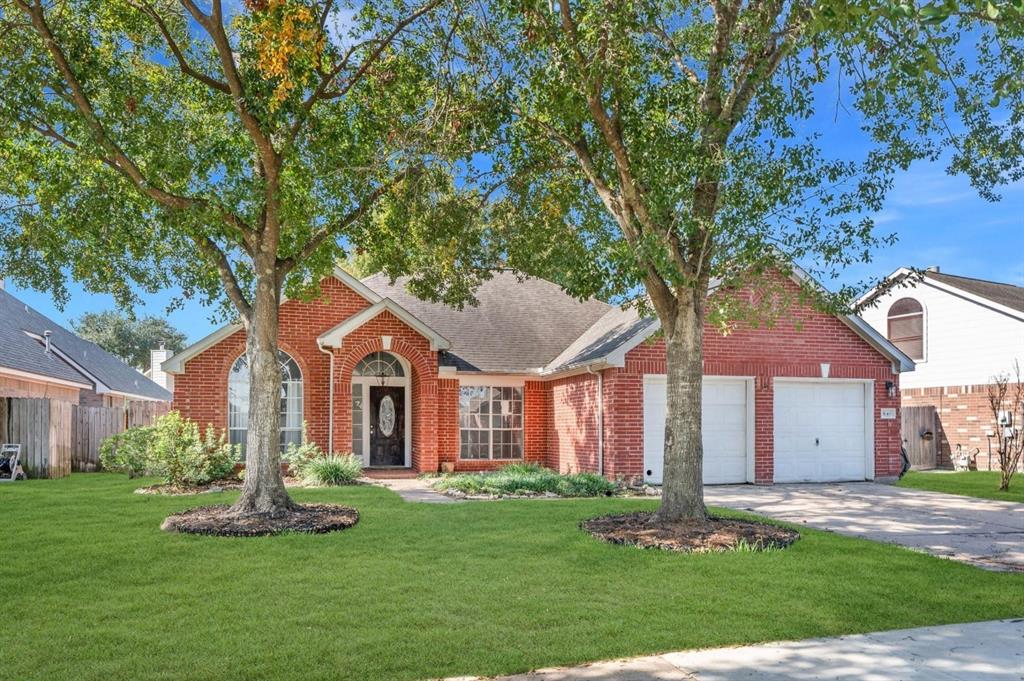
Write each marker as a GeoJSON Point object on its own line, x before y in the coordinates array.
{"type": "Point", "coordinates": [127, 337]}
{"type": "Point", "coordinates": [660, 149]}
{"type": "Point", "coordinates": [232, 149]}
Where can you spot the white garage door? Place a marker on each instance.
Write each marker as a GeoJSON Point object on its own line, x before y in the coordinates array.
{"type": "Point", "coordinates": [820, 432]}
{"type": "Point", "coordinates": [725, 428]}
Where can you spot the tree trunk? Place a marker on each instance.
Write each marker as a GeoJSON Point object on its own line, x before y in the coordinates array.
{"type": "Point", "coordinates": [264, 490]}
{"type": "Point", "coordinates": [682, 484]}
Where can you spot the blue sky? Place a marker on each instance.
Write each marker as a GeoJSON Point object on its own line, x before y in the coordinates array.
{"type": "Point", "coordinates": [940, 220]}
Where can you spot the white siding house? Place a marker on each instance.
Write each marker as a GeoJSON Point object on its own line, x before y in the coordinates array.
{"type": "Point", "coordinates": [966, 338]}
{"type": "Point", "coordinates": [961, 332]}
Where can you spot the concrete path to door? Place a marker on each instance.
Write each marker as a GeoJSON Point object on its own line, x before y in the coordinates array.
{"type": "Point", "coordinates": [983, 651]}
{"type": "Point", "coordinates": [988, 534]}
{"type": "Point", "coordinates": [413, 489]}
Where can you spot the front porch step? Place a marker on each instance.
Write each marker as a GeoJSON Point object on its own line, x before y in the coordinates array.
{"type": "Point", "coordinates": [390, 473]}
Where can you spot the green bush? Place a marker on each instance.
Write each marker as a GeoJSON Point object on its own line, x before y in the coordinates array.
{"type": "Point", "coordinates": [171, 448]}
{"type": "Point", "coordinates": [527, 478]}
{"type": "Point", "coordinates": [333, 469]}
{"type": "Point", "coordinates": [299, 456]}
{"type": "Point", "coordinates": [184, 457]}
{"type": "Point", "coordinates": [128, 452]}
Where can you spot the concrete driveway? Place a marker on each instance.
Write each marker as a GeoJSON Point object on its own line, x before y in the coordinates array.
{"type": "Point", "coordinates": [984, 651]}
{"type": "Point", "coordinates": [988, 534]}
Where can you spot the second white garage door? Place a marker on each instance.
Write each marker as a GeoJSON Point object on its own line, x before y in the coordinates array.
{"type": "Point", "coordinates": [726, 428]}
{"type": "Point", "coordinates": [820, 431]}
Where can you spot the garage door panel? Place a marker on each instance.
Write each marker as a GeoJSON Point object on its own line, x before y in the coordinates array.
{"type": "Point", "coordinates": [819, 432]}
{"type": "Point", "coordinates": [723, 424]}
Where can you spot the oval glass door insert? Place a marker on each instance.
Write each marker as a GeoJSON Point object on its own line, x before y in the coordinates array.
{"type": "Point", "coordinates": [386, 418]}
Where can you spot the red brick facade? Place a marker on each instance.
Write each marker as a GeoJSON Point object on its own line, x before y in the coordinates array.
{"type": "Point", "coordinates": [560, 415]}
{"type": "Point", "coordinates": [963, 417]}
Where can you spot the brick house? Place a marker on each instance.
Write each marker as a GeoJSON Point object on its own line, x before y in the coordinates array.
{"type": "Point", "coordinates": [532, 374]}
{"type": "Point", "coordinates": [960, 332]}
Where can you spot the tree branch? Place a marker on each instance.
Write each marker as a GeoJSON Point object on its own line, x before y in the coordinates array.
{"type": "Point", "coordinates": [175, 49]}
{"type": "Point", "coordinates": [328, 231]}
{"type": "Point", "coordinates": [217, 257]}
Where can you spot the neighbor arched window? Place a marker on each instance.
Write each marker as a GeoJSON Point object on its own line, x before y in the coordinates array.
{"type": "Point", "coordinates": [291, 401]}
{"type": "Point", "coordinates": [906, 327]}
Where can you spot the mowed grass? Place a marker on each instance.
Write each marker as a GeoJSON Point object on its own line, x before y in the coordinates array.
{"type": "Point", "coordinates": [980, 484]}
{"type": "Point", "coordinates": [92, 589]}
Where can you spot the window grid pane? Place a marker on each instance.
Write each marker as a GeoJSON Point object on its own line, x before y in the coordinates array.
{"type": "Point", "coordinates": [490, 422]}
{"type": "Point", "coordinates": [357, 419]}
{"type": "Point", "coordinates": [291, 402]}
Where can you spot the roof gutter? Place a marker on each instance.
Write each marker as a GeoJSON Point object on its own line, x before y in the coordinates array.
{"type": "Point", "coordinates": [600, 417]}
{"type": "Point", "coordinates": [330, 397]}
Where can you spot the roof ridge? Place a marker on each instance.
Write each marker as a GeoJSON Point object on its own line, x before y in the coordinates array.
{"type": "Point", "coordinates": [961, 276]}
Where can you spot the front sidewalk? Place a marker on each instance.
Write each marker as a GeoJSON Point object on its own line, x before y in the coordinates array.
{"type": "Point", "coordinates": [983, 651]}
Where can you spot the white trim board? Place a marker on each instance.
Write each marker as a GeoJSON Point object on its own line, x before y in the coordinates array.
{"type": "Point", "coordinates": [335, 337]}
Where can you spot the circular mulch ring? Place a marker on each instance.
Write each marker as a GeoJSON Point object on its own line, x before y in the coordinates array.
{"type": "Point", "coordinates": [714, 534]}
{"type": "Point", "coordinates": [215, 520]}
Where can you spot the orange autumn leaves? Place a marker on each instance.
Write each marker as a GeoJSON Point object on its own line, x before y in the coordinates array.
{"type": "Point", "coordinates": [288, 43]}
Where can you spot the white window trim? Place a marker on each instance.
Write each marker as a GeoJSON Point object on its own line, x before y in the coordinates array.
{"type": "Point", "coordinates": [390, 382]}
{"type": "Point", "coordinates": [481, 382]}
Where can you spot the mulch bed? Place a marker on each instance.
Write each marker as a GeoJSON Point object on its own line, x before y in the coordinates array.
{"type": "Point", "coordinates": [215, 520]}
{"type": "Point", "coordinates": [715, 534]}
{"type": "Point", "coordinates": [167, 489]}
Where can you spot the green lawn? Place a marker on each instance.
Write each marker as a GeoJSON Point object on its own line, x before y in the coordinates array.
{"type": "Point", "coordinates": [93, 590]}
{"type": "Point", "coordinates": [981, 484]}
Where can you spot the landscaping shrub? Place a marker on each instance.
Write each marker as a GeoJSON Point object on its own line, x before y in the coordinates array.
{"type": "Point", "coordinates": [527, 478]}
{"type": "Point", "coordinates": [333, 469]}
{"type": "Point", "coordinates": [128, 452]}
{"type": "Point", "coordinates": [299, 456]}
{"type": "Point", "coordinates": [184, 457]}
{"type": "Point", "coordinates": [171, 448]}
{"type": "Point", "coordinates": [308, 461]}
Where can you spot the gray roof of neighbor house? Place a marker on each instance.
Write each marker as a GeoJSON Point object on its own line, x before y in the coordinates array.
{"type": "Point", "coordinates": [96, 367]}
{"type": "Point", "coordinates": [1005, 294]}
{"type": "Point", "coordinates": [519, 324]}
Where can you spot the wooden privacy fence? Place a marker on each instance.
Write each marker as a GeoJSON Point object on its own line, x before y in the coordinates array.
{"type": "Point", "coordinates": [58, 437]}
{"type": "Point", "coordinates": [43, 429]}
{"type": "Point", "coordinates": [921, 436]}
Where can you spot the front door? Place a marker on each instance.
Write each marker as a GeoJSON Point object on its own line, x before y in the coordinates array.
{"type": "Point", "coordinates": [387, 426]}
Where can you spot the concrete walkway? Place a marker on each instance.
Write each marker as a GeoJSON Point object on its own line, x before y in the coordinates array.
{"type": "Point", "coordinates": [984, 651]}
{"type": "Point", "coordinates": [988, 534]}
{"type": "Point", "coordinates": [414, 489]}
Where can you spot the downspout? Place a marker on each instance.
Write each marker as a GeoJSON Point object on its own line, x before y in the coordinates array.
{"type": "Point", "coordinates": [600, 417]}
{"type": "Point", "coordinates": [330, 398]}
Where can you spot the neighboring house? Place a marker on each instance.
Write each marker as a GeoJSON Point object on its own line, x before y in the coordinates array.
{"type": "Point", "coordinates": [39, 358]}
{"type": "Point", "coordinates": [961, 332]}
{"type": "Point", "coordinates": [532, 374]}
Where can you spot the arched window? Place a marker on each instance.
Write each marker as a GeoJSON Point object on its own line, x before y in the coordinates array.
{"type": "Point", "coordinates": [906, 327]}
{"type": "Point", "coordinates": [379, 364]}
{"type": "Point", "coordinates": [291, 401]}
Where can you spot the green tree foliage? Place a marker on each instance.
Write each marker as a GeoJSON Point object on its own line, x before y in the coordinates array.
{"type": "Point", "coordinates": [230, 149]}
{"type": "Point", "coordinates": [659, 149]}
{"type": "Point", "coordinates": [129, 338]}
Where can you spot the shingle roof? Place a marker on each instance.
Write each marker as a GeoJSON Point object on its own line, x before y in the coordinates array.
{"type": "Point", "coordinates": [1005, 294]}
{"type": "Point", "coordinates": [616, 328]}
{"type": "Point", "coordinates": [22, 352]}
{"type": "Point", "coordinates": [519, 324]}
